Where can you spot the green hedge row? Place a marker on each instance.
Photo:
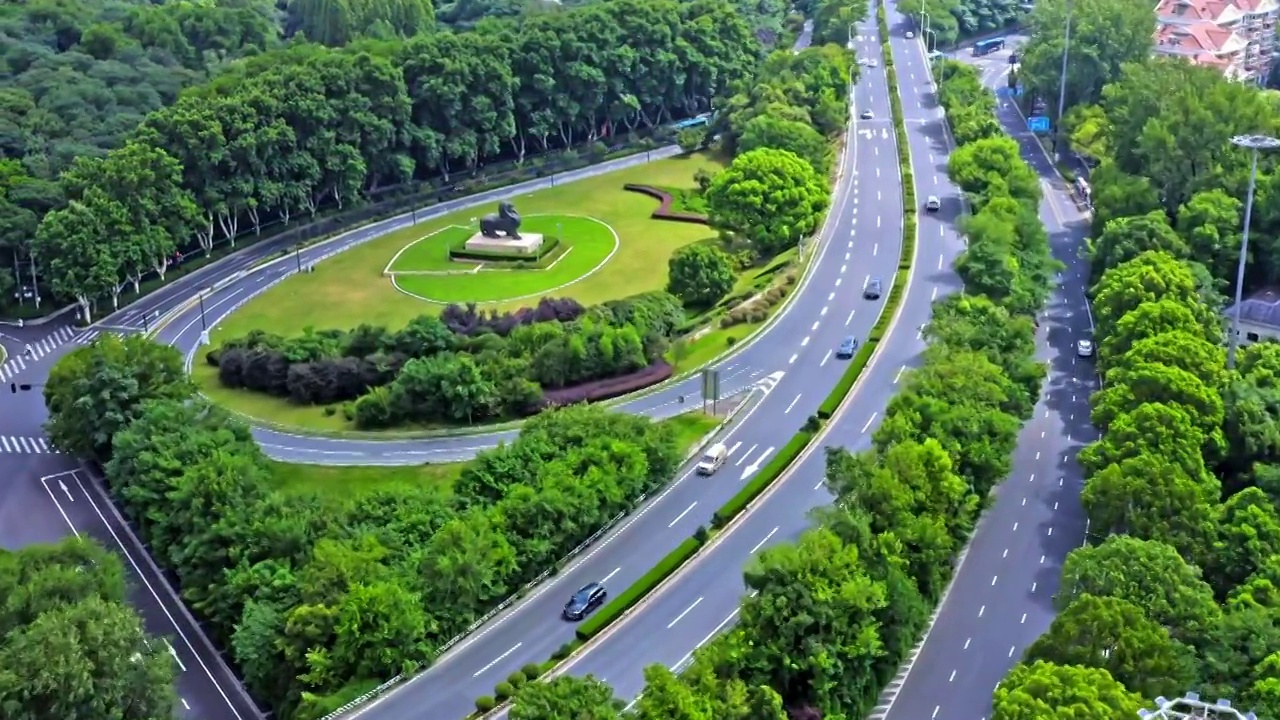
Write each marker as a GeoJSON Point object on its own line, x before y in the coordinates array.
{"type": "Point", "coordinates": [763, 479]}
{"type": "Point", "coordinates": [590, 627]}
{"type": "Point", "coordinates": [458, 251]}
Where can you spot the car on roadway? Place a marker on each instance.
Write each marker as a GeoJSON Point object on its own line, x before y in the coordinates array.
{"type": "Point", "coordinates": [867, 115]}
{"type": "Point", "coordinates": [933, 204]}
{"type": "Point", "coordinates": [590, 597]}
{"type": "Point", "coordinates": [847, 348]}
{"type": "Point", "coordinates": [873, 290]}
{"type": "Point", "coordinates": [1084, 348]}
{"type": "Point", "coordinates": [910, 35]}
{"type": "Point", "coordinates": [871, 62]}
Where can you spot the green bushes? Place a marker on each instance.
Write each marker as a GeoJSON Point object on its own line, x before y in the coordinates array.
{"type": "Point", "coordinates": [629, 597]}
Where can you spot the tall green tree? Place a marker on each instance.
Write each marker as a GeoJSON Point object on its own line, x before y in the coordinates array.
{"type": "Point", "coordinates": [1044, 691]}
{"type": "Point", "coordinates": [771, 197]}
{"type": "Point", "coordinates": [97, 390]}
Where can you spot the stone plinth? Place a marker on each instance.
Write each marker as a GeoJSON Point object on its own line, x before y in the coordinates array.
{"type": "Point", "coordinates": [527, 244]}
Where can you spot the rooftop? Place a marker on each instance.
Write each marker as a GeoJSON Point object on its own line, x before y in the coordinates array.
{"type": "Point", "coordinates": [1260, 308]}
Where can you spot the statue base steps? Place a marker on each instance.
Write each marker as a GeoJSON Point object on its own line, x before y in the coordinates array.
{"type": "Point", "coordinates": [526, 244]}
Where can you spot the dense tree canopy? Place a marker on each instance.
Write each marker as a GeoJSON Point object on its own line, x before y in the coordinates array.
{"type": "Point", "coordinates": [774, 198]}
{"type": "Point", "coordinates": [70, 649]}
{"type": "Point", "coordinates": [314, 596]}
{"type": "Point", "coordinates": [281, 134]}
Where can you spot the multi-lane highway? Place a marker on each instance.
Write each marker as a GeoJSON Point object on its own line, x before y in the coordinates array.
{"type": "Point", "coordinates": [1001, 599]}
{"type": "Point", "coordinates": [864, 241]}
{"type": "Point", "coordinates": [792, 372]}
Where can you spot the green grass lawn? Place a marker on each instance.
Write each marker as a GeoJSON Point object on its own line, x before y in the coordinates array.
{"type": "Point", "coordinates": [431, 252]}
{"type": "Point", "coordinates": [349, 288]}
{"type": "Point", "coordinates": [586, 246]}
{"type": "Point", "coordinates": [344, 483]}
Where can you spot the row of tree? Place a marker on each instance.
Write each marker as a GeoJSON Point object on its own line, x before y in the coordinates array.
{"type": "Point", "coordinates": [314, 597]}
{"type": "Point", "coordinates": [1181, 490]}
{"type": "Point", "coordinates": [70, 648]}
{"type": "Point", "coordinates": [1008, 256]}
{"type": "Point", "coordinates": [1182, 592]}
{"type": "Point", "coordinates": [953, 20]}
{"type": "Point", "coordinates": [869, 575]}
{"type": "Point", "coordinates": [459, 367]}
{"type": "Point", "coordinates": [280, 134]}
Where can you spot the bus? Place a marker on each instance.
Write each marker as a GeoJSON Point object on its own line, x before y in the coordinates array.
{"type": "Point", "coordinates": [984, 47]}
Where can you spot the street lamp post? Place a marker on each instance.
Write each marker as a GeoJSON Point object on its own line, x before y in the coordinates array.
{"type": "Point", "coordinates": [849, 43]}
{"type": "Point", "coordinates": [1255, 144]}
{"type": "Point", "coordinates": [925, 22]}
{"type": "Point", "coordinates": [927, 45]}
{"type": "Point", "coordinates": [203, 325]}
{"type": "Point", "coordinates": [1062, 83]}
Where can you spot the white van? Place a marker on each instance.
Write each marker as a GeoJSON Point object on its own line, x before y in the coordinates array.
{"type": "Point", "coordinates": [713, 459]}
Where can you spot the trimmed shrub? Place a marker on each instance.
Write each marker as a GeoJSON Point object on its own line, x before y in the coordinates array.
{"type": "Point", "coordinates": [609, 387]}
{"type": "Point", "coordinates": [503, 690]}
{"type": "Point", "coordinates": [629, 597]}
{"type": "Point", "coordinates": [485, 703]}
{"type": "Point", "coordinates": [516, 679]}
{"type": "Point", "coordinates": [664, 211]}
{"type": "Point", "coordinates": [532, 671]}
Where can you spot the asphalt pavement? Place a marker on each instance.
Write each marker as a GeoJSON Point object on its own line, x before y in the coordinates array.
{"type": "Point", "coordinates": [1001, 599]}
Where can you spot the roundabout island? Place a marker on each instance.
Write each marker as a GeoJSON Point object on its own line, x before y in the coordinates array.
{"type": "Point", "coordinates": [594, 248]}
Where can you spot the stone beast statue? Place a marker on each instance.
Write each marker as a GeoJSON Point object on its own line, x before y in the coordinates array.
{"type": "Point", "coordinates": [505, 221]}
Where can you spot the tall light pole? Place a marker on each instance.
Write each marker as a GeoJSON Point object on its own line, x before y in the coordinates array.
{"type": "Point", "coordinates": [925, 21]}
{"type": "Point", "coordinates": [849, 44]}
{"type": "Point", "coordinates": [930, 34]}
{"type": "Point", "coordinates": [1256, 144]}
{"type": "Point", "coordinates": [1062, 83]}
{"type": "Point", "coordinates": [1191, 706]}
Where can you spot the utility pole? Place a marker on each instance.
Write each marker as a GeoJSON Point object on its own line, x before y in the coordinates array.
{"type": "Point", "coordinates": [1256, 144]}
{"type": "Point", "coordinates": [1062, 83]}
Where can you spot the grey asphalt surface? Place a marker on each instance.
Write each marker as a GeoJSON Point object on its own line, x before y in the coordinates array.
{"type": "Point", "coordinates": [865, 242]}
{"type": "Point", "coordinates": [1001, 599]}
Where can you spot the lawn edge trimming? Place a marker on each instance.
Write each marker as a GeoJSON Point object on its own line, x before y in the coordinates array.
{"type": "Point", "coordinates": [775, 313]}
{"type": "Point", "coordinates": [697, 547]}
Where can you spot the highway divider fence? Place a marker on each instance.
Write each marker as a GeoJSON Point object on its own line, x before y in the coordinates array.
{"type": "Point", "coordinates": [795, 447]}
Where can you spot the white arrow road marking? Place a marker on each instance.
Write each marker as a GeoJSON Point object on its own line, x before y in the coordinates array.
{"type": "Point", "coordinates": [67, 491]}
{"type": "Point", "coordinates": [755, 465]}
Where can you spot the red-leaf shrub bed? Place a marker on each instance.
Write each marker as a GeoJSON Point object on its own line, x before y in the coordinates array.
{"type": "Point", "coordinates": [664, 211]}
{"type": "Point", "coordinates": [608, 388]}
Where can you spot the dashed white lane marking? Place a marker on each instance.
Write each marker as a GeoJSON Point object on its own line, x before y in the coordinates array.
{"type": "Point", "coordinates": [762, 542]}
{"type": "Point", "coordinates": [681, 515]}
{"type": "Point", "coordinates": [681, 615]}
{"type": "Point", "coordinates": [498, 659]}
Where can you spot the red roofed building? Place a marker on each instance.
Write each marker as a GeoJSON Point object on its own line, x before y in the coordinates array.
{"type": "Point", "coordinates": [1236, 36]}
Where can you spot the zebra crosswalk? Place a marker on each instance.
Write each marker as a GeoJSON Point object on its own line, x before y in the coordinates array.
{"type": "Point", "coordinates": [36, 349]}
{"type": "Point", "coordinates": [16, 445]}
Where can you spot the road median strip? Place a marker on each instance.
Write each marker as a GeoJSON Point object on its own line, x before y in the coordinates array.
{"type": "Point", "coordinates": [796, 447]}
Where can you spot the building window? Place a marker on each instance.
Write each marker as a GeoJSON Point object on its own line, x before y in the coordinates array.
{"type": "Point", "coordinates": [1253, 336]}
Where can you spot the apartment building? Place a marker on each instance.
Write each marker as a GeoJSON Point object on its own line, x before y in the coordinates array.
{"type": "Point", "coordinates": [1236, 36]}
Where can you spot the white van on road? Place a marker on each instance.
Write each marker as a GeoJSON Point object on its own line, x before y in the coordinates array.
{"type": "Point", "coordinates": [713, 459]}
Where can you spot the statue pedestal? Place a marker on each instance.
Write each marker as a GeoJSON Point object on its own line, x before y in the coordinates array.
{"type": "Point", "coordinates": [527, 244]}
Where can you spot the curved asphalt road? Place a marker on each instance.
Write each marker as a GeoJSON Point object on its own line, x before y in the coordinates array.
{"type": "Point", "coordinates": [866, 241]}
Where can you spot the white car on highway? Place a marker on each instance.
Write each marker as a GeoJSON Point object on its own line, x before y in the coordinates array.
{"type": "Point", "coordinates": [1084, 348]}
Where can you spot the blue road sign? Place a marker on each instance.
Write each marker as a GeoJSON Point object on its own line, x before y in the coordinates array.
{"type": "Point", "coordinates": [1038, 123]}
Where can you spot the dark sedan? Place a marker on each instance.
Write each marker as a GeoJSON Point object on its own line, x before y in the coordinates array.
{"type": "Point", "coordinates": [584, 601]}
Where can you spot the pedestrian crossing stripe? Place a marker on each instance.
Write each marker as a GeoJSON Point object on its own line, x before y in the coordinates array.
{"type": "Point", "coordinates": [37, 349]}
{"type": "Point", "coordinates": [17, 445]}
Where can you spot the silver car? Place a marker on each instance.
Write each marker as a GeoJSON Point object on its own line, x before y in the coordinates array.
{"type": "Point", "coordinates": [1084, 348]}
